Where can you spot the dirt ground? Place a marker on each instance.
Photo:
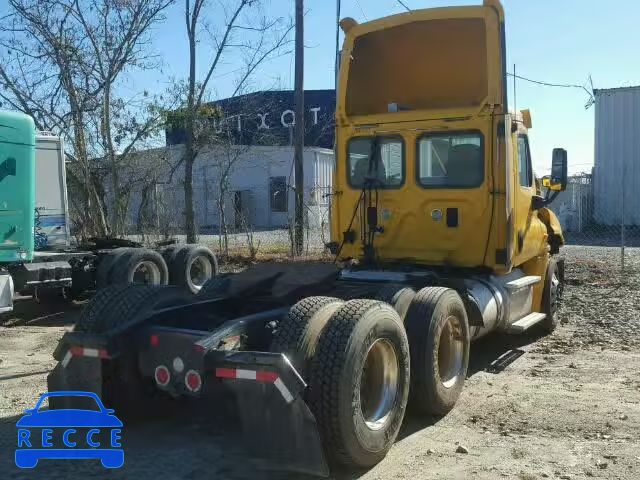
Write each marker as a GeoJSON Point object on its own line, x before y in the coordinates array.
{"type": "Point", "coordinates": [568, 407]}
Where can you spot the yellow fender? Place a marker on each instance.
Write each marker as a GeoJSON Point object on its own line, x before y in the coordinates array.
{"type": "Point", "coordinates": [554, 229]}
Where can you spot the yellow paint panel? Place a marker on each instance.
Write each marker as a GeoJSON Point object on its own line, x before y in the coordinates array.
{"type": "Point", "coordinates": [419, 65]}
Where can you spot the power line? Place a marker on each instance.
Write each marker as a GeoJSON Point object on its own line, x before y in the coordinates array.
{"type": "Point", "coordinates": [362, 10]}
{"type": "Point", "coordinates": [559, 85]}
{"type": "Point", "coordinates": [404, 5]}
{"type": "Point", "coordinates": [547, 84]}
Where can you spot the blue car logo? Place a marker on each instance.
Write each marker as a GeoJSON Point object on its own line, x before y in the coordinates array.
{"type": "Point", "coordinates": [69, 433]}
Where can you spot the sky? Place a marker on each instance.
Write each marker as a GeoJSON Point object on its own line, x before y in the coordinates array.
{"type": "Point", "coordinates": [556, 41]}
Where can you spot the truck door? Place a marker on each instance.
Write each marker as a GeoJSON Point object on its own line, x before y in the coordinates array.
{"type": "Point", "coordinates": [17, 138]}
{"type": "Point", "coordinates": [524, 191]}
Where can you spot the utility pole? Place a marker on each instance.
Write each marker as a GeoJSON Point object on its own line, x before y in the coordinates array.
{"type": "Point", "coordinates": [337, 65]}
{"type": "Point", "coordinates": [299, 130]}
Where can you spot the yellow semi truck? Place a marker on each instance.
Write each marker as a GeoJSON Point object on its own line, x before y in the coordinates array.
{"type": "Point", "coordinates": [440, 232]}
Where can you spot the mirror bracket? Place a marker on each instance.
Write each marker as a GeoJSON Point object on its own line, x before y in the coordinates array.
{"type": "Point", "coordinates": [538, 202]}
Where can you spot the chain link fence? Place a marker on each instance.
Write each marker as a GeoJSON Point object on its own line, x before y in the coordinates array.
{"type": "Point", "coordinates": [602, 254]}
{"type": "Point", "coordinates": [595, 217]}
{"type": "Point", "coordinates": [602, 232]}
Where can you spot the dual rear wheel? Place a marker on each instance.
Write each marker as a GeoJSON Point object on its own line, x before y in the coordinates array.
{"type": "Point", "coordinates": [364, 364]}
{"type": "Point", "coordinates": [184, 265]}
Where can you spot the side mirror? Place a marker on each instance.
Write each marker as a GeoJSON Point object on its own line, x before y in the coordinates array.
{"type": "Point", "coordinates": [558, 180]}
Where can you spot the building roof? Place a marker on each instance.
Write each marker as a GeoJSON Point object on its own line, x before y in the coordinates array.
{"type": "Point", "coordinates": [605, 91]}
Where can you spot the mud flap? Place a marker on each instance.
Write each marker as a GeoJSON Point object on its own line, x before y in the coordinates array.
{"type": "Point", "coordinates": [277, 423]}
{"type": "Point", "coordinates": [80, 374]}
{"type": "Point", "coordinates": [80, 363]}
{"type": "Point", "coordinates": [285, 435]}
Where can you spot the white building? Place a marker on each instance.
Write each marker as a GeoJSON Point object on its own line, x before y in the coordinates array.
{"type": "Point", "coordinates": [259, 189]}
{"type": "Point", "coordinates": [616, 175]}
{"type": "Point", "coordinates": [259, 185]}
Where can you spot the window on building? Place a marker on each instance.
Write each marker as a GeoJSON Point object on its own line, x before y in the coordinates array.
{"type": "Point", "coordinates": [524, 162]}
{"type": "Point", "coordinates": [278, 194]}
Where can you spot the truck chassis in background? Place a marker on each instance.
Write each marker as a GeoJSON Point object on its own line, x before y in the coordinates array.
{"type": "Point", "coordinates": [60, 271]}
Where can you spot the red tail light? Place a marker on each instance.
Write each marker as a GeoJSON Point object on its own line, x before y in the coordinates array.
{"type": "Point", "coordinates": [193, 381]}
{"type": "Point", "coordinates": [154, 340]}
{"type": "Point", "coordinates": [162, 375]}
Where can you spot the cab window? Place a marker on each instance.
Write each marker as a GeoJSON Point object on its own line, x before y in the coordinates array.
{"type": "Point", "coordinates": [450, 160]}
{"type": "Point", "coordinates": [377, 160]}
{"type": "Point", "coordinates": [524, 162]}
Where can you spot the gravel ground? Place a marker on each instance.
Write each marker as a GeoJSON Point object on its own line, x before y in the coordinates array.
{"type": "Point", "coordinates": [568, 408]}
{"type": "Point", "coordinates": [601, 301]}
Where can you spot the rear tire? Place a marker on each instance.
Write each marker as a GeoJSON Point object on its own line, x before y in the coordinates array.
{"type": "Point", "coordinates": [169, 254]}
{"type": "Point", "coordinates": [123, 388]}
{"type": "Point", "coordinates": [192, 266]}
{"type": "Point", "coordinates": [107, 262]}
{"type": "Point", "coordinates": [438, 331]}
{"type": "Point", "coordinates": [398, 296]}
{"type": "Point", "coordinates": [117, 305]}
{"type": "Point", "coordinates": [139, 266]}
{"type": "Point", "coordinates": [298, 333]}
{"type": "Point", "coordinates": [359, 382]}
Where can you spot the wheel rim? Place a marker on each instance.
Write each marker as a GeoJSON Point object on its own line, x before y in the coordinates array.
{"type": "Point", "coordinates": [146, 272]}
{"type": "Point", "coordinates": [553, 291]}
{"type": "Point", "coordinates": [450, 352]}
{"type": "Point", "coordinates": [200, 270]}
{"type": "Point", "coordinates": [379, 383]}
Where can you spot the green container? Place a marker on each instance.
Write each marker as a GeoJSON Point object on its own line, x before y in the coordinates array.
{"type": "Point", "coordinates": [17, 186]}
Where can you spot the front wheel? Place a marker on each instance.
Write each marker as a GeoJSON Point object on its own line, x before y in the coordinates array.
{"type": "Point", "coordinates": [551, 296]}
{"type": "Point", "coordinates": [359, 382]}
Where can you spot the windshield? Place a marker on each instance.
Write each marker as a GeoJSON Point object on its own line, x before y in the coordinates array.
{"type": "Point", "coordinates": [376, 158]}
{"type": "Point", "coordinates": [453, 160]}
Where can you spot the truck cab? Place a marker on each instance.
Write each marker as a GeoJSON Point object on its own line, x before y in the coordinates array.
{"type": "Point", "coordinates": [17, 192]}
{"type": "Point", "coordinates": [425, 138]}
{"type": "Point", "coordinates": [17, 201]}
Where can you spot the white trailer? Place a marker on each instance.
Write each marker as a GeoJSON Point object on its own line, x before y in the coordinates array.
{"type": "Point", "coordinates": [52, 228]}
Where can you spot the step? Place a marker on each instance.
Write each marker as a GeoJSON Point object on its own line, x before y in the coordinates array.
{"type": "Point", "coordinates": [523, 282]}
{"type": "Point", "coordinates": [526, 322]}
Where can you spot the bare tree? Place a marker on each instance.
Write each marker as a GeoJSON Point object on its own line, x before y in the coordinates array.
{"type": "Point", "coordinates": [240, 35]}
{"type": "Point", "coordinates": [60, 62]}
{"type": "Point", "coordinates": [227, 151]}
{"type": "Point", "coordinates": [226, 161]}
